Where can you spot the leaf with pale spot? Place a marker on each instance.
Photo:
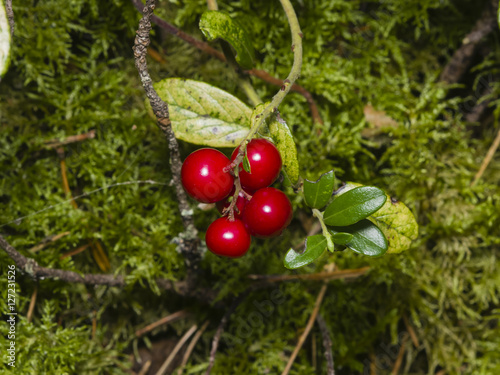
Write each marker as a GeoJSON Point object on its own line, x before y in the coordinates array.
{"type": "Point", "coordinates": [203, 114]}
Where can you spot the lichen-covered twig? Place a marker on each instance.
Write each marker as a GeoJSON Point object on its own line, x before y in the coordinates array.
{"type": "Point", "coordinates": [189, 241]}
{"type": "Point", "coordinates": [34, 270]}
{"type": "Point", "coordinates": [10, 15]}
{"type": "Point", "coordinates": [327, 344]}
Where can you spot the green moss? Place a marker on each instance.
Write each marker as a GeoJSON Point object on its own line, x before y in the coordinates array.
{"type": "Point", "coordinates": [72, 71]}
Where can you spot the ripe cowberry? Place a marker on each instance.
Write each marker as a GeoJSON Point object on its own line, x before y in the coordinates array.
{"type": "Point", "coordinates": [203, 177]}
{"type": "Point", "coordinates": [228, 238]}
{"type": "Point", "coordinates": [267, 213]}
{"type": "Point", "coordinates": [265, 164]}
{"type": "Point", "coordinates": [241, 202]}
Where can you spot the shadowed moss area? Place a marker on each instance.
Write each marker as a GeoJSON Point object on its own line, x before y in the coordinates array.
{"type": "Point", "coordinates": [72, 71]}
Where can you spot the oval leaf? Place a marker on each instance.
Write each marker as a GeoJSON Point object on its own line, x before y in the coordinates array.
{"type": "Point", "coordinates": [341, 238]}
{"type": "Point", "coordinates": [315, 246]}
{"type": "Point", "coordinates": [4, 40]}
{"type": "Point", "coordinates": [318, 193]}
{"type": "Point", "coordinates": [398, 224]}
{"type": "Point", "coordinates": [203, 114]}
{"type": "Point", "coordinates": [354, 205]}
{"type": "Point", "coordinates": [216, 24]}
{"type": "Point", "coordinates": [283, 139]}
{"type": "Point", "coordinates": [367, 238]}
{"type": "Point", "coordinates": [395, 220]}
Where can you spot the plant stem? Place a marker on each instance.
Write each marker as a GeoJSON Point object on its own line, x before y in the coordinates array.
{"type": "Point", "coordinates": [326, 233]}
{"type": "Point", "coordinates": [287, 83]}
{"type": "Point", "coordinates": [247, 87]}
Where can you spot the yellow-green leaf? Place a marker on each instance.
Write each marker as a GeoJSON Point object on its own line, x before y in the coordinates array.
{"type": "Point", "coordinates": [216, 24]}
{"type": "Point", "coordinates": [203, 114]}
{"type": "Point", "coordinates": [285, 144]}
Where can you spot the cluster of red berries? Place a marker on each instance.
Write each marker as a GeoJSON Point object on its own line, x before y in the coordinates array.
{"type": "Point", "coordinates": [259, 211]}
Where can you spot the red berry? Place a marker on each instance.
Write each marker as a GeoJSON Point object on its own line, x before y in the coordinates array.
{"type": "Point", "coordinates": [241, 202]}
{"type": "Point", "coordinates": [267, 213]}
{"type": "Point", "coordinates": [265, 164]}
{"type": "Point", "coordinates": [203, 177]}
{"type": "Point", "coordinates": [228, 238]}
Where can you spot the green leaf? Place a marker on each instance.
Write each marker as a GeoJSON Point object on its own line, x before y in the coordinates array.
{"type": "Point", "coordinates": [216, 24]}
{"type": "Point", "coordinates": [285, 144]}
{"type": "Point", "coordinates": [367, 238]}
{"type": "Point", "coordinates": [203, 114]}
{"type": "Point", "coordinates": [395, 220]}
{"type": "Point", "coordinates": [341, 238]}
{"type": "Point", "coordinates": [246, 164]}
{"type": "Point", "coordinates": [398, 224]}
{"type": "Point", "coordinates": [315, 246]}
{"type": "Point", "coordinates": [5, 40]}
{"type": "Point", "coordinates": [354, 205]}
{"type": "Point", "coordinates": [318, 193]}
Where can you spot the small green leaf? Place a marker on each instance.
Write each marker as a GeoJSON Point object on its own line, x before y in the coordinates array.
{"type": "Point", "coordinates": [318, 193]}
{"type": "Point", "coordinates": [216, 24]}
{"type": "Point", "coordinates": [315, 246]}
{"type": "Point", "coordinates": [246, 164]}
{"type": "Point", "coordinates": [354, 205]}
{"type": "Point", "coordinates": [398, 224]}
{"type": "Point", "coordinates": [203, 114]}
{"type": "Point", "coordinates": [5, 40]}
{"type": "Point", "coordinates": [285, 144]}
{"type": "Point", "coordinates": [367, 238]}
{"type": "Point", "coordinates": [341, 238]}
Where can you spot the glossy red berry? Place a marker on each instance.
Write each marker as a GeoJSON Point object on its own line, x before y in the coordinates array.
{"type": "Point", "coordinates": [203, 177]}
{"type": "Point", "coordinates": [241, 202]}
{"type": "Point", "coordinates": [228, 238]}
{"type": "Point", "coordinates": [265, 164]}
{"type": "Point", "coordinates": [268, 213]}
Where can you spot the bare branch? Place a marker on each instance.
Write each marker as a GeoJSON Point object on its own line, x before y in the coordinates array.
{"type": "Point", "coordinates": [180, 344]}
{"type": "Point", "coordinates": [399, 359]}
{"type": "Point", "coordinates": [308, 328]}
{"type": "Point", "coordinates": [189, 242]}
{"type": "Point", "coordinates": [462, 57]}
{"type": "Point", "coordinates": [167, 319]}
{"type": "Point", "coordinates": [220, 329]}
{"type": "Point", "coordinates": [342, 274]}
{"type": "Point", "coordinates": [55, 143]}
{"type": "Point", "coordinates": [487, 159]}
{"type": "Point", "coordinates": [191, 346]}
{"type": "Point", "coordinates": [327, 344]}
